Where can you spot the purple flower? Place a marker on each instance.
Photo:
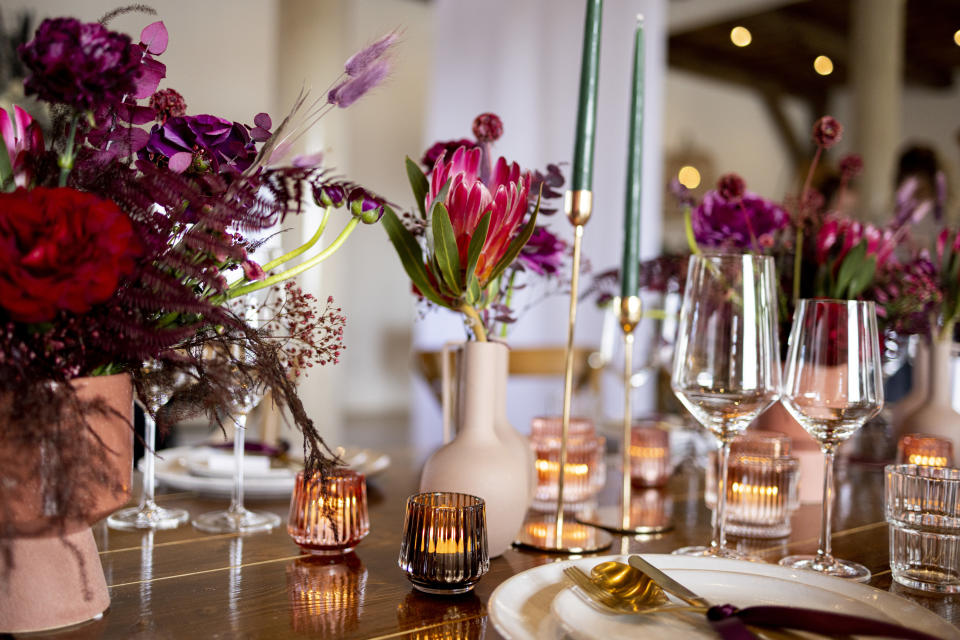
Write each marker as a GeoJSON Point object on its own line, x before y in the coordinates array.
{"type": "Point", "coordinates": [204, 143]}
{"type": "Point", "coordinates": [361, 60]}
{"type": "Point", "coordinates": [82, 65]}
{"type": "Point", "coordinates": [543, 253]}
{"type": "Point", "coordinates": [680, 191]}
{"type": "Point", "coordinates": [366, 206]}
{"type": "Point", "coordinates": [329, 195]}
{"type": "Point", "coordinates": [444, 147]}
{"type": "Point", "coordinates": [720, 222]}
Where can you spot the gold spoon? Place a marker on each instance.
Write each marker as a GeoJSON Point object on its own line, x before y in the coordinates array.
{"type": "Point", "coordinates": [629, 585]}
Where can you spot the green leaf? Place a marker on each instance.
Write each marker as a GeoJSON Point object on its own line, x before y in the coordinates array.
{"type": "Point", "coordinates": [862, 278]}
{"type": "Point", "coordinates": [518, 243]}
{"type": "Point", "coordinates": [440, 199]}
{"type": "Point", "coordinates": [6, 171]}
{"type": "Point", "coordinates": [419, 184]}
{"type": "Point", "coordinates": [852, 263]}
{"type": "Point", "coordinates": [474, 293]}
{"type": "Point", "coordinates": [477, 241]}
{"type": "Point", "coordinates": [445, 248]}
{"type": "Point", "coordinates": [410, 256]}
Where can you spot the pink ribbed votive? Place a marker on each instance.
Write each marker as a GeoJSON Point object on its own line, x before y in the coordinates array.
{"type": "Point", "coordinates": [329, 516]}
{"type": "Point", "coordinates": [925, 450]}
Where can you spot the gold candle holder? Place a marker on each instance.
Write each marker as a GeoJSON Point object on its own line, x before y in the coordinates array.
{"type": "Point", "coordinates": [578, 206]}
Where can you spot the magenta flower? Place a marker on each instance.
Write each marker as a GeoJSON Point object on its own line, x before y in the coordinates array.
{"type": "Point", "coordinates": [543, 252]}
{"type": "Point", "coordinates": [203, 144]}
{"type": "Point", "coordinates": [719, 222]}
{"type": "Point", "coordinates": [23, 139]}
{"type": "Point", "coordinates": [469, 198]}
{"type": "Point", "coordinates": [839, 235]}
{"type": "Point", "coordinates": [447, 147]}
{"type": "Point", "coordinates": [81, 65]}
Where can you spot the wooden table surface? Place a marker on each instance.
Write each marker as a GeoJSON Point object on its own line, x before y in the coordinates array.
{"type": "Point", "coordinates": [187, 584]}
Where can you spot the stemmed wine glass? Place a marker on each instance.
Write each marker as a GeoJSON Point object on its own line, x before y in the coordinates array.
{"type": "Point", "coordinates": [148, 514]}
{"type": "Point", "coordinates": [833, 386]}
{"type": "Point", "coordinates": [248, 393]}
{"type": "Point", "coordinates": [726, 363]}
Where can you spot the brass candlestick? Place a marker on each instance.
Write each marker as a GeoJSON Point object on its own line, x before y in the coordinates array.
{"type": "Point", "coordinates": [552, 535]}
{"type": "Point", "coordinates": [619, 521]}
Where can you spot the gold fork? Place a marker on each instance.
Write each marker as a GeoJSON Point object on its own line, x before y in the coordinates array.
{"type": "Point", "coordinates": [614, 603]}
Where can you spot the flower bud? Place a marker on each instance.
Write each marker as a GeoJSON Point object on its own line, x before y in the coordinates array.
{"type": "Point", "coordinates": [365, 207]}
{"type": "Point", "coordinates": [487, 127]}
{"type": "Point", "coordinates": [827, 132]}
{"type": "Point", "coordinates": [330, 195]}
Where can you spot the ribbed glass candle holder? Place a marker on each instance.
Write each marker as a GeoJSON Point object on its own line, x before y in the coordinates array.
{"type": "Point", "coordinates": [922, 506]}
{"type": "Point", "coordinates": [925, 450]}
{"type": "Point", "coordinates": [584, 472]}
{"type": "Point", "coordinates": [649, 456]}
{"type": "Point", "coordinates": [443, 548]}
{"type": "Point", "coordinates": [329, 516]}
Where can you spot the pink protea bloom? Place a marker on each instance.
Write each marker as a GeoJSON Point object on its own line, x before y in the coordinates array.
{"type": "Point", "coordinates": [469, 198]}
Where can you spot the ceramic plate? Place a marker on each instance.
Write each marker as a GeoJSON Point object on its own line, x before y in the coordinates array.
{"type": "Point", "coordinates": [174, 464]}
{"type": "Point", "coordinates": [537, 604]}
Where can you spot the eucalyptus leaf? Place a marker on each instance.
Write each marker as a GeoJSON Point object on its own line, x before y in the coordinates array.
{"type": "Point", "coordinates": [411, 257]}
{"type": "Point", "coordinates": [862, 278]}
{"type": "Point", "coordinates": [852, 263]}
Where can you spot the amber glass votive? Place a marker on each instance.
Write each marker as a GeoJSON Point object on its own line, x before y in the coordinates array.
{"type": "Point", "coordinates": [443, 548]}
{"type": "Point", "coordinates": [649, 456]}
{"type": "Point", "coordinates": [326, 594]}
{"type": "Point", "coordinates": [925, 450]}
{"type": "Point", "coordinates": [584, 472]}
{"type": "Point", "coordinates": [761, 485]}
{"type": "Point", "coordinates": [329, 516]}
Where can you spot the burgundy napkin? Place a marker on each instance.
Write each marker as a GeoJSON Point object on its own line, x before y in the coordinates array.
{"type": "Point", "coordinates": [823, 622]}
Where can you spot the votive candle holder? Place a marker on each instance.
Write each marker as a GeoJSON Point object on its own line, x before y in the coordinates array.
{"type": "Point", "coordinates": [649, 456]}
{"type": "Point", "coordinates": [925, 450]}
{"type": "Point", "coordinates": [443, 548]}
{"type": "Point", "coordinates": [584, 471]}
{"type": "Point", "coordinates": [328, 515]}
{"type": "Point", "coordinates": [761, 486]}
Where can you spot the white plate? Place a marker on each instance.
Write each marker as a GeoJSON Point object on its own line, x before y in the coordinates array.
{"type": "Point", "coordinates": [537, 604]}
{"type": "Point", "coordinates": [173, 472]}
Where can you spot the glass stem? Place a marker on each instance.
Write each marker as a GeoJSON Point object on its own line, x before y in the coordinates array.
{"type": "Point", "coordinates": [824, 550]}
{"type": "Point", "coordinates": [239, 432]}
{"type": "Point", "coordinates": [719, 522]}
{"type": "Point", "coordinates": [149, 462]}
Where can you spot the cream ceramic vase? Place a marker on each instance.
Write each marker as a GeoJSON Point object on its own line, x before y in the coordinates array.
{"type": "Point", "coordinates": [487, 457]}
{"type": "Point", "coordinates": [936, 416]}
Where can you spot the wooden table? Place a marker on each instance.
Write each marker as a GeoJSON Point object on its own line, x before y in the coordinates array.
{"type": "Point", "coordinates": [187, 584]}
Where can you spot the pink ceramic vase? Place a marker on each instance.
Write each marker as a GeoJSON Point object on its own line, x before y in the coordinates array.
{"type": "Point", "coordinates": [56, 579]}
{"type": "Point", "coordinates": [484, 459]}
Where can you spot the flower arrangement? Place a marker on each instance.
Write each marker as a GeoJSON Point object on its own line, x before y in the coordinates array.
{"type": "Point", "coordinates": [129, 229]}
{"type": "Point", "coordinates": [474, 234]}
{"type": "Point", "coordinates": [820, 251]}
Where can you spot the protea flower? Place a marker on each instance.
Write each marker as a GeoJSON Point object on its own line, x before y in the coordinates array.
{"type": "Point", "coordinates": [468, 199]}
{"type": "Point", "coordinates": [475, 230]}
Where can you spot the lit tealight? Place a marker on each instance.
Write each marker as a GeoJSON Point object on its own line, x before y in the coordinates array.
{"type": "Point", "coordinates": [741, 36]}
{"type": "Point", "coordinates": [689, 177]}
{"type": "Point", "coordinates": [823, 65]}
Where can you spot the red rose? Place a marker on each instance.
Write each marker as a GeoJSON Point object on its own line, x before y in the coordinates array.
{"type": "Point", "coordinates": [61, 249]}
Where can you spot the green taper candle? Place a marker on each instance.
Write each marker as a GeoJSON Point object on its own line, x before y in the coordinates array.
{"type": "Point", "coordinates": [587, 105]}
{"type": "Point", "coordinates": [631, 217]}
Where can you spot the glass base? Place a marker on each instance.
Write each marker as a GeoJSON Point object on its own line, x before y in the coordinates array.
{"type": "Point", "coordinates": [236, 521]}
{"type": "Point", "coordinates": [149, 516]}
{"type": "Point", "coordinates": [716, 552]}
{"type": "Point", "coordinates": [837, 568]}
{"type": "Point", "coordinates": [443, 591]}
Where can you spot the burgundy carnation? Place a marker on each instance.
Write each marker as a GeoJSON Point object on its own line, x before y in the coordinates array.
{"type": "Point", "coordinates": [61, 249]}
{"type": "Point", "coordinates": [168, 103]}
{"type": "Point", "coordinates": [827, 132]}
{"type": "Point", "coordinates": [487, 127]}
{"type": "Point", "coordinates": [718, 222]}
{"type": "Point", "coordinates": [445, 147]}
{"type": "Point", "coordinates": [731, 187]}
{"type": "Point", "coordinates": [83, 65]}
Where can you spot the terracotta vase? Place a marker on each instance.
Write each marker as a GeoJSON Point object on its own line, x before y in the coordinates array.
{"type": "Point", "coordinates": [484, 459]}
{"type": "Point", "coordinates": [55, 578]}
{"type": "Point", "coordinates": [936, 416]}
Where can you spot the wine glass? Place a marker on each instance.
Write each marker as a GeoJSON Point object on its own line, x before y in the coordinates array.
{"type": "Point", "coordinates": [833, 386]}
{"type": "Point", "coordinates": [248, 393]}
{"type": "Point", "coordinates": [148, 514]}
{"type": "Point", "coordinates": [726, 363]}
